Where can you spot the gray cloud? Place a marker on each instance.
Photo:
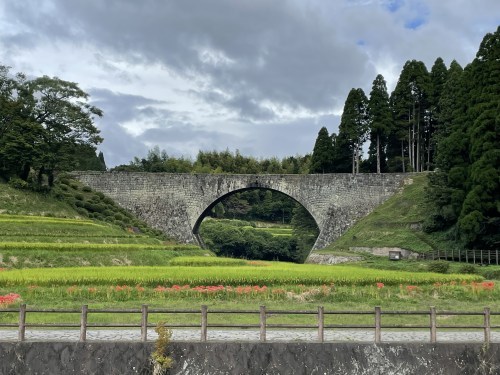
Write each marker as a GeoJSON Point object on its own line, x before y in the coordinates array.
{"type": "Point", "coordinates": [267, 50]}
{"type": "Point", "coordinates": [259, 76]}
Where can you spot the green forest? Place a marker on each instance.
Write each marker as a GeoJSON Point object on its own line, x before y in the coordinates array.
{"type": "Point", "coordinates": [445, 120]}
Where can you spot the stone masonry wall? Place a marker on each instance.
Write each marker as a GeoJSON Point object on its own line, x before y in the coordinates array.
{"type": "Point", "coordinates": [176, 203]}
{"type": "Point", "coordinates": [251, 358]}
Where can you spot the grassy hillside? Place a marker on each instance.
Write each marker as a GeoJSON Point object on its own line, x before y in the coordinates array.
{"type": "Point", "coordinates": [395, 223]}
{"type": "Point", "coordinates": [56, 230]}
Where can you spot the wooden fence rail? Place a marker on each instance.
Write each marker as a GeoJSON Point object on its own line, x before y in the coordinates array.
{"type": "Point", "coordinates": [262, 325]}
{"type": "Point", "coordinates": [482, 257]}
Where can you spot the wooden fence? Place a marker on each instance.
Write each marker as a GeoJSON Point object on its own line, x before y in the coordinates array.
{"type": "Point", "coordinates": [262, 325]}
{"type": "Point", "coordinates": [468, 256]}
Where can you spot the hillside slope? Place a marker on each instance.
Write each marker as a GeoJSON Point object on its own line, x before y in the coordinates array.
{"type": "Point", "coordinates": [395, 223]}
{"type": "Point", "coordinates": [56, 230]}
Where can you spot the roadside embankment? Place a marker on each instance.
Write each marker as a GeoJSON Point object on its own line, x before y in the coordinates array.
{"type": "Point", "coordinates": [217, 358]}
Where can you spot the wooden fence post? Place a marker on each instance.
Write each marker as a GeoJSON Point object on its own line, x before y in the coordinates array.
{"type": "Point", "coordinates": [487, 325]}
{"type": "Point", "coordinates": [321, 324]}
{"type": "Point", "coordinates": [378, 321]}
{"type": "Point", "coordinates": [263, 324]}
{"type": "Point", "coordinates": [204, 322]}
{"type": "Point", "coordinates": [22, 322]}
{"type": "Point", "coordinates": [433, 324]}
{"type": "Point", "coordinates": [144, 323]}
{"type": "Point", "coordinates": [83, 323]}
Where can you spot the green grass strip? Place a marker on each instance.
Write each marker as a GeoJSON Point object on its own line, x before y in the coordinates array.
{"type": "Point", "coordinates": [88, 246]}
{"type": "Point", "coordinates": [205, 261]}
{"type": "Point", "coordinates": [276, 274]}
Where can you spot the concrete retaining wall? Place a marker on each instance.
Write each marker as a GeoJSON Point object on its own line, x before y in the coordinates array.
{"type": "Point", "coordinates": [218, 358]}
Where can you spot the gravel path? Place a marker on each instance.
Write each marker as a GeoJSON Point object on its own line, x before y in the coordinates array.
{"type": "Point", "coordinates": [253, 335]}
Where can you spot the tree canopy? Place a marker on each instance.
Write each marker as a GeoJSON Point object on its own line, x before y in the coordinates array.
{"type": "Point", "coordinates": [46, 124]}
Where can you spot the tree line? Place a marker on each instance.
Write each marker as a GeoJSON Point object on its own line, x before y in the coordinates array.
{"type": "Point", "coordinates": [216, 162]}
{"type": "Point", "coordinates": [464, 190]}
{"type": "Point", "coordinates": [402, 128]}
{"type": "Point", "coordinates": [447, 121]}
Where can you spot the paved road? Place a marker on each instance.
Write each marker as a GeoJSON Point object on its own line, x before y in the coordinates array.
{"type": "Point", "coordinates": [253, 335]}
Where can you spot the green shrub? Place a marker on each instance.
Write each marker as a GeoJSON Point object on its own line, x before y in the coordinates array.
{"type": "Point", "coordinates": [74, 186]}
{"type": "Point", "coordinates": [86, 189]}
{"type": "Point", "coordinates": [468, 269]}
{"type": "Point", "coordinates": [107, 200]}
{"type": "Point", "coordinates": [17, 183]}
{"type": "Point", "coordinates": [80, 204]}
{"type": "Point", "coordinates": [491, 274]}
{"type": "Point", "coordinates": [81, 211]}
{"type": "Point", "coordinates": [79, 197]}
{"type": "Point", "coordinates": [438, 266]}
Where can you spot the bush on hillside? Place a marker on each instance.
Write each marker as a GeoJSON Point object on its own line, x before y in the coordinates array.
{"type": "Point", "coordinates": [438, 266]}
{"type": "Point", "coordinates": [468, 269]}
{"type": "Point", "coordinates": [17, 183]}
{"type": "Point", "coordinates": [491, 274]}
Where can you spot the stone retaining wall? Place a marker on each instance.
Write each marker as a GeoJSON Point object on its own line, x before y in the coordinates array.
{"type": "Point", "coordinates": [249, 358]}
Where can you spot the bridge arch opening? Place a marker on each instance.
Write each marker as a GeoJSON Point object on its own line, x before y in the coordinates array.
{"type": "Point", "coordinates": [268, 224]}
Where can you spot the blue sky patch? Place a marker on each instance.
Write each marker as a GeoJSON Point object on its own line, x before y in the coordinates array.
{"type": "Point", "coordinates": [393, 5]}
{"type": "Point", "coordinates": [415, 23]}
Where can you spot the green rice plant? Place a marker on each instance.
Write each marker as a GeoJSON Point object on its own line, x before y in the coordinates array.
{"type": "Point", "coordinates": [15, 259]}
{"type": "Point", "coordinates": [204, 261]}
{"type": "Point", "coordinates": [275, 274]}
{"type": "Point", "coordinates": [88, 246]}
{"type": "Point", "coordinates": [44, 219]}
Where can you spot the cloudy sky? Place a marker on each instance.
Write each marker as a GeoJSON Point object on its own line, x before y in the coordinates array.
{"type": "Point", "coordinates": [261, 76]}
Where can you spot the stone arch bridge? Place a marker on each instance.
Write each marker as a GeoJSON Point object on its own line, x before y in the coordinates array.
{"type": "Point", "coordinates": [177, 203]}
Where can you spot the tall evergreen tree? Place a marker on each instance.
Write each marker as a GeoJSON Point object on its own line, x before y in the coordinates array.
{"type": "Point", "coordinates": [380, 120]}
{"type": "Point", "coordinates": [448, 99]}
{"type": "Point", "coordinates": [479, 221]}
{"type": "Point", "coordinates": [322, 156]}
{"type": "Point", "coordinates": [409, 104]}
{"type": "Point", "coordinates": [439, 76]}
{"type": "Point", "coordinates": [353, 128]}
{"type": "Point", "coordinates": [465, 190]}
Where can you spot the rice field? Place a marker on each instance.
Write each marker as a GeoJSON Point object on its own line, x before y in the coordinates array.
{"type": "Point", "coordinates": [274, 274]}
{"type": "Point", "coordinates": [30, 241]}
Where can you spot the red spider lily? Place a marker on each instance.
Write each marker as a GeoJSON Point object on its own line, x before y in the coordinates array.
{"type": "Point", "coordinates": [485, 285]}
{"type": "Point", "coordinates": [139, 288]}
{"type": "Point", "coordinates": [411, 288]}
{"type": "Point", "coordinates": [9, 299]}
{"type": "Point", "coordinates": [72, 289]}
{"type": "Point", "coordinates": [488, 285]}
{"type": "Point", "coordinates": [92, 290]}
{"type": "Point", "coordinates": [380, 285]}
